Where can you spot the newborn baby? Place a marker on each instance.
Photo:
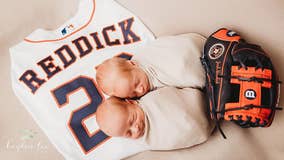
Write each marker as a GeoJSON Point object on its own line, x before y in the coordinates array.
{"type": "Point", "coordinates": [165, 119]}
{"type": "Point", "coordinates": [168, 61]}
{"type": "Point", "coordinates": [121, 118]}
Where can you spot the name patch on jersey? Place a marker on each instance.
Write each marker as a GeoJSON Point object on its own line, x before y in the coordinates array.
{"type": "Point", "coordinates": [84, 47]}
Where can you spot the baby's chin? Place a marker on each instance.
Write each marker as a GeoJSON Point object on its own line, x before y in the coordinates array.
{"type": "Point", "coordinates": [143, 131]}
{"type": "Point", "coordinates": [141, 134]}
{"type": "Point", "coordinates": [140, 95]}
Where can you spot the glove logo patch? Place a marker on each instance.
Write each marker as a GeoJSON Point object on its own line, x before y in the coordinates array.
{"type": "Point", "coordinates": [216, 51]}
{"type": "Point", "coordinates": [231, 33]}
{"type": "Point", "coordinates": [250, 94]}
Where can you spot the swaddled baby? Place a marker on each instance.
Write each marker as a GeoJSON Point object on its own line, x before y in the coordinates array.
{"type": "Point", "coordinates": [165, 119]}
{"type": "Point", "coordinates": [168, 61]}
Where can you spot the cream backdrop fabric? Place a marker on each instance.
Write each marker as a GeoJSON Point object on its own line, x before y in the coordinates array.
{"type": "Point", "coordinates": [258, 21]}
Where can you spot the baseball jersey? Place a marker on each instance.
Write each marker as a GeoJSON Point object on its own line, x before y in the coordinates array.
{"type": "Point", "coordinates": [175, 118]}
{"type": "Point", "coordinates": [173, 61]}
{"type": "Point", "coordinates": [53, 75]}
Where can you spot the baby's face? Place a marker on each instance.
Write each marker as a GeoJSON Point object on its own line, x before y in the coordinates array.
{"type": "Point", "coordinates": [130, 85]}
{"type": "Point", "coordinates": [132, 124]}
{"type": "Point", "coordinates": [127, 121]}
{"type": "Point", "coordinates": [122, 78]}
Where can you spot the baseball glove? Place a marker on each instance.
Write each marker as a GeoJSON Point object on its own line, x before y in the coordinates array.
{"type": "Point", "coordinates": [242, 85]}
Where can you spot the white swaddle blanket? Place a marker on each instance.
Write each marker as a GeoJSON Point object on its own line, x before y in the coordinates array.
{"type": "Point", "coordinates": [176, 118]}
{"type": "Point", "coordinates": [173, 61]}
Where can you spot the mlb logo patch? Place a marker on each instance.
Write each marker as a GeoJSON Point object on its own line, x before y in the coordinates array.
{"type": "Point", "coordinates": [67, 29]}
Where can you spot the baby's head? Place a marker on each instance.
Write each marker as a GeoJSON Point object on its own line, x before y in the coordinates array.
{"type": "Point", "coordinates": [121, 118]}
{"type": "Point", "coordinates": [122, 78]}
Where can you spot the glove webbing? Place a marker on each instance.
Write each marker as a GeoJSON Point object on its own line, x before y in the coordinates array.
{"type": "Point", "coordinates": [259, 80]}
{"type": "Point", "coordinates": [248, 122]}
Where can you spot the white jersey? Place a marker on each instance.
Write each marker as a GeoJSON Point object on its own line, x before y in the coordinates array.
{"type": "Point", "coordinates": [53, 76]}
